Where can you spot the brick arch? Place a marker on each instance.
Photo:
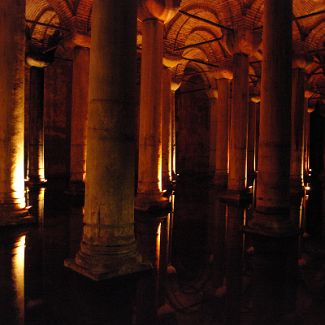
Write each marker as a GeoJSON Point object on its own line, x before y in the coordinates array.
{"type": "Point", "coordinates": [316, 37]}
{"type": "Point", "coordinates": [83, 13]}
{"type": "Point", "coordinates": [64, 11]}
{"type": "Point", "coordinates": [174, 30]}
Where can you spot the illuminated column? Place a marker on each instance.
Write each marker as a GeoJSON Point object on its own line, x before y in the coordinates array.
{"type": "Point", "coordinates": [213, 100]}
{"type": "Point", "coordinates": [238, 128]}
{"type": "Point", "coordinates": [36, 173]}
{"type": "Point", "coordinates": [108, 246]}
{"type": "Point", "coordinates": [271, 216]}
{"type": "Point", "coordinates": [12, 64]}
{"type": "Point", "coordinates": [221, 152]}
{"type": "Point", "coordinates": [153, 15]}
{"type": "Point", "coordinates": [173, 87]}
{"type": "Point", "coordinates": [166, 130]}
{"type": "Point", "coordinates": [307, 111]}
{"type": "Point", "coordinates": [251, 138]}
{"type": "Point", "coordinates": [297, 127]}
{"type": "Point", "coordinates": [80, 83]}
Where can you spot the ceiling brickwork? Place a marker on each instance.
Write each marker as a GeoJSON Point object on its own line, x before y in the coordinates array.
{"type": "Point", "coordinates": [184, 31]}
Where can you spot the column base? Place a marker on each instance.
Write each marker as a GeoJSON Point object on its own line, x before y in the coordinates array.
{"type": "Point", "coordinates": [237, 197]}
{"type": "Point", "coordinates": [272, 224]}
{"type": "Point", "coordinates": [76, 188]}
{"type": "Point", "coordinates": [106, 262]}
{"type": "Point", "coordinates": [10, 216]}
{"type": "Point", "coordinates": [151, 202]}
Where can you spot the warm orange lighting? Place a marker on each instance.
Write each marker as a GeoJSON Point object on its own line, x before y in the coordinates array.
{"type": "Point", "coordinates": [255, 99]}
{"type": "Point", "coordinates": [159, 176]}
{"type": "Point", "coordinates": [158, 238]}
{"type": "Point", "coordinates": [18, 262]}
{"type": "Point", "coordinates": [18, 180]}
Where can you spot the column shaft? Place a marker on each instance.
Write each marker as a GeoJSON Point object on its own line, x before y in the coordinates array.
{"type": "Point", "coordinates": [108, 245]}
{"type": "Point", "coordinates": [306, 137]}
{"type": "Point", "coordinates": [297, 126]}
{"type": "Point", "coordinates": [213, 132]}
{"type": "Point", "coordinates": [166, 130]}
{"type": "Point", "coordinates": [36, 127]}
{"type": "Point", "coordinates": [173, 126]}
{"type": "Point", "coordinates": [150, 144]}
{"type": "Point", "coordinates": [12, 53]}
{"type": "Point", "coordinates": [80, 84]}
{"type": "Point", "coordinates": [238, 125]}
{"type": "Point", "coordinates": [272, 194]}
{"type": "Point", "coordinates": [251, 138]}
{"type": "Point", "coordinates": [221, 159]}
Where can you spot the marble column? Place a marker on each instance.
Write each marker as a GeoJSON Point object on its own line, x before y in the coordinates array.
{"type": "Point", "coordinates": [150, 133]}
{"type": "Point", "coordinates": [173, 87]}
{"type": "Point", "coordinates": [237, 179]}
{"type": "Point", "coordinates": [166, 131]}
{"type": "Point", "coordinates": [12, 38]}
{"type": "Point", "coordinates": [108, 246]}
{"type": "Point", "coordinates": [221, 151]}
{"type": "Point", "coordinates": [36, 171]}
{"type": "Point", "coordinates": [271, 216]}
{"type": "Point", "coordinates": [213, 100]}
{"type": "Point", "coordinates": [80, 83]}
{"type": "Point", "coordinates": [251, 140]}
{"type": "Point", "coordinates": [297, 127]}
{"type": "Point", "coordinates": [307, 111]}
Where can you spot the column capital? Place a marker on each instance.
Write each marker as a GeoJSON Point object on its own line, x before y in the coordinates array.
{"type": "Point", "coordinates": [36, 62]}
{"type": "Point", "coordinates": [174, 85]}
{"type": "Point", "coordinates": [163, 10]}
{"type": "Point", "coordinates": [213, 93]}
{"type": "Point", "coordinates": [171, 61]}
{"type": "Point", "coordinates": [308, 93]}
{"type": "Point", "coordinates": [254, 95]}
{"type": "Point", "coordinates": [224, 73]}
{"type": "Point", "coordinates": [78, 39]}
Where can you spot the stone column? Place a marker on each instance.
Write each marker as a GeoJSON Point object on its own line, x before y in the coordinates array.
{"type": "Point", "coordinates": [221, 151]}
{"type": "Point", "coordinates": [36, 172]}
{"type": "Point", "coordinates": [237, 180]}
{"type": "Point", "coordinates": [297, 127]}
{"type": "Point", "coordinates": [108, 246]}
{"type": "Point", "coordinates": [173, 87]}
{"type": "Point", "coordinates": [150, 133]}
{"type": "Point", "coordinates": [271, 216]}
{"type": "Point", "coordinates": [213, 100]}
{"type": "Point", "coordinates": [251, 138]}
{"type": "Point", "coordinates": [166, 131]}
{"type": "Point", "coordinates": [12, 53]}
{"type": "Point", "coordinates": [153, 15]}
{"type": "Point", "coordinates": [307, 111]}
{"type": "Point", "coordinates": [80, 83]}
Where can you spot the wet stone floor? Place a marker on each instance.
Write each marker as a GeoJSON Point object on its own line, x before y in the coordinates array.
{"type": "Point", "coordinates": [206, 269]}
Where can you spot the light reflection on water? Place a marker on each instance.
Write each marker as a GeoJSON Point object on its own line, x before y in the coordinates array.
{"type": "Point", "coordinates": [18, 266]}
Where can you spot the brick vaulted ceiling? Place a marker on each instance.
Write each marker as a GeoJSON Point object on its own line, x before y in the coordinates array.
{"type": "Point", "coordinates": [184, 34]}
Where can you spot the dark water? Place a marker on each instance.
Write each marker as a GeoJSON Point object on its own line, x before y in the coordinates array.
{"type": "Point", "coordinates": [207, 270]}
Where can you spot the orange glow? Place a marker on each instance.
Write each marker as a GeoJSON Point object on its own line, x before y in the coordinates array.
{"type": "Point", "coordinates": [159, 176]}
{"type": "Point", "coordinates": [18, 180]}
{"type": "Point", "coordinates": [158, 238]}
{"type": "Point", "coordinates": [18, 262]}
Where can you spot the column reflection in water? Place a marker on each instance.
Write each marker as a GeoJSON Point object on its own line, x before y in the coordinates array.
{"type": "Point", "coordinates": [233, 265]}
{"type": "Point", "coordinates": [216, 235]}
{"type": "Point", "coordinates": [275, 270]}
{"type": "Point", "coordinates": [152, 238]}
{"type": "Point", "coordinates": [18, 264]}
